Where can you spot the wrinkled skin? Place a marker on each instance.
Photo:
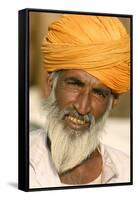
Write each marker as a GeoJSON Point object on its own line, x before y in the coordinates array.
{"type": "Point", "coordinates": [86, 95]}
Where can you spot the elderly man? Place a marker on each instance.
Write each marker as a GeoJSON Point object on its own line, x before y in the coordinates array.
{"type": "Point", "coordinates": [87, 59]}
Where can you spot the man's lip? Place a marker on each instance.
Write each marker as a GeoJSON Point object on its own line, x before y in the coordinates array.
{"type": "Point", "coordinates": [75, 123]}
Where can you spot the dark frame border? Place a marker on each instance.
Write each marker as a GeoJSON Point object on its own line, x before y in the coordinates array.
{"type": "Point", "coordinates": [23, 99]}
{"type": "Point", "coordinates": [23, 139]}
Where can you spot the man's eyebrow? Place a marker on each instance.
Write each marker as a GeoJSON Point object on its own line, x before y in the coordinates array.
{"type": "Point", "coordinates": [74, 80]}
{"type": "Point", "coordinates": [105, 91]}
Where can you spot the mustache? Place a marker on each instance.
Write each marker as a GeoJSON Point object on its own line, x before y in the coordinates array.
{"type": "Point", "coordinates": [88, 118]}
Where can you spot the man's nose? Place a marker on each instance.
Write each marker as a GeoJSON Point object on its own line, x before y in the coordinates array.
{"type": "Point", "coordinates": [83, 103]}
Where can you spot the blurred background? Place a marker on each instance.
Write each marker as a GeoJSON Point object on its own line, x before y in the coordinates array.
{"type": "Point", "coordinates": [117, 129]}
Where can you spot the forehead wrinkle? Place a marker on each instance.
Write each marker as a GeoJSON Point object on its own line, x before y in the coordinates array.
{"type": "Point", "coordinates": [84, 77]}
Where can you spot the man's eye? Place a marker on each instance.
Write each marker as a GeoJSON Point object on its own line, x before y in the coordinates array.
{"type": "Point", "coordinates": [101, 93]}
{"type": "Point", "coordinates": [74, 83]}
{"type": "Point", "coordinates": [71, 82]}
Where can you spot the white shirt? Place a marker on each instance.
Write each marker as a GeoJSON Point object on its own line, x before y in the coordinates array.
{"type": "Point", "coordinates": [116, 165]}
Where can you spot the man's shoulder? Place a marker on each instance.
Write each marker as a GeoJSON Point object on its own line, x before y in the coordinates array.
{"type": "Point", "coordinates": [36, 135]}
{"type": "Point", "coordinates": [119, 161]}
{"type": "Point", "coordinates": [37, 145]}
{"type": "Point", "coordinates": [39, 160]}
{"type": "Point", "coordinates": [116, 153]}
{"type": "Point", "coordinates": [37, 139]}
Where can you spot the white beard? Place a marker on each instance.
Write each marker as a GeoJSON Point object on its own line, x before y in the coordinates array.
{"type": "Point", "coordinates": [68, 147]}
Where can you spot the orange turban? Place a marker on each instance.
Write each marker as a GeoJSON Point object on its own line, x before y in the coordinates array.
{"type": "Point", "coordinates": [98, 45]}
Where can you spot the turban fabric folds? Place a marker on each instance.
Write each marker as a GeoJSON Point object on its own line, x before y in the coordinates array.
{"type": "Point", "coordinates": [98, 45]}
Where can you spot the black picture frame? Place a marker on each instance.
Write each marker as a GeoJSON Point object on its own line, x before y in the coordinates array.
{"type": "Point", "coordinates": [23, 99]}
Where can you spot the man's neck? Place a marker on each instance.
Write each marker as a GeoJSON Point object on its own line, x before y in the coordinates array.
{"type": "Point", "coordinates": [84, 173]}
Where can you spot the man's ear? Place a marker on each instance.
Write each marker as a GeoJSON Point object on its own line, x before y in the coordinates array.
{"type": "Point", "coordinates": [115, 100]}
{"type": "Point", "coordinates": [48, 84]}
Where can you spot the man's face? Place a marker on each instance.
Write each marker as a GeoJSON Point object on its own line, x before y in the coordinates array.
{"type": "Point", "coordinates": [83, 96]}
{"type": "Point", "coordinates": [76, 110]}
